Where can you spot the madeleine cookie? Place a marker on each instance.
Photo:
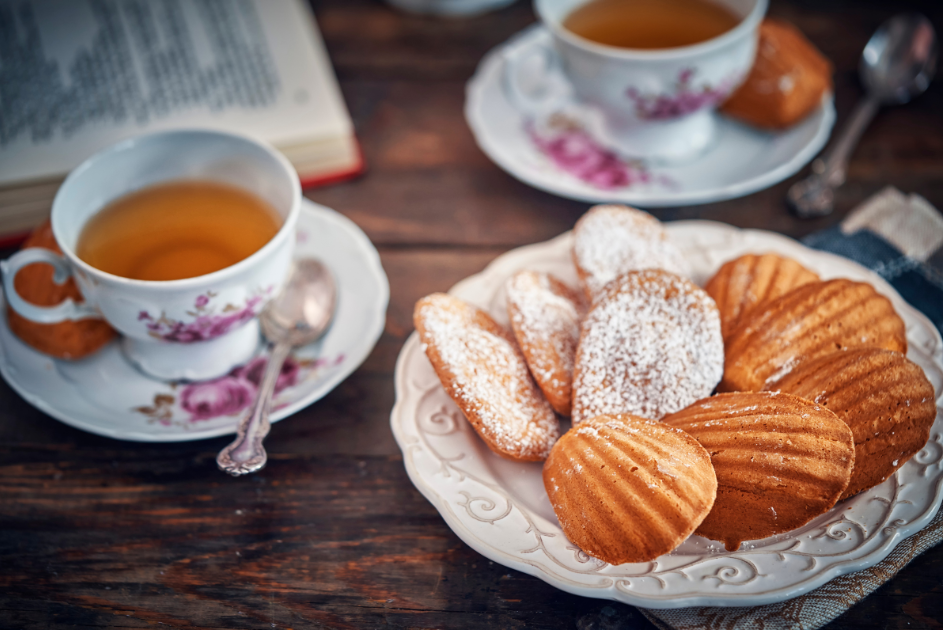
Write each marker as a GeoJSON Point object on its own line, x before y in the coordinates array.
{"type": "Point", "coordinates": [34, 283]}
{"type": "Point", "coordinates": [885, 398]}
{"type": "Point", "coordinates": [809, 321]}
{"type": "Point", "coordinates": [627, 489]}
{"type": "Point", "coordinates": [545, 317]}
{"type": "Point", "coordinates": [745, 283]}
{"type": "Point", "coordinates": [786, 83]}
{"type": "Point", "coordinates": [610, 240]}
{"type": "Point", "coordinates": [780, 461]}
{"type": "Point", "coordinates": [650, 346]}
{"type": "Point", "coordinates": [483, 371]}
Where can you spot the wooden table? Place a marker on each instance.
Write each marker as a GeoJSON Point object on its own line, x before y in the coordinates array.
{"type": "Point", "coordinates": [101, 533]}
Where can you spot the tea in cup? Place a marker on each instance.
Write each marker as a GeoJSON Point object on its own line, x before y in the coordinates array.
{"type": "Point", "coordinates": [177, 239]}
{"type": "Point", "coordinates": [650, 24]}
{"type": "Point", "coordinates": [655, 70]}
{"type": "Point", "coordinates": [177, 229]}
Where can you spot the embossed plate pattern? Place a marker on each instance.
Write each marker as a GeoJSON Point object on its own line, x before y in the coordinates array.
{"type": "Point", "coordinates": [500, 508]}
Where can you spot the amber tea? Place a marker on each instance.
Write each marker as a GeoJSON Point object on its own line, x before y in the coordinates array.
{"type": "Point", "coordinates": [177, 230]}
{"type": "Point", "coordinates": [650, 24]}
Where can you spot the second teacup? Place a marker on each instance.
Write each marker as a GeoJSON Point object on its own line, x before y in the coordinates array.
{"type": "Point", "coordinates": [187, 328]}
{"type": "Point", "coordinates": [655, 104]}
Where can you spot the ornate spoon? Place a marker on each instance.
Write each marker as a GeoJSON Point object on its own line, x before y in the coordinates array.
{"type": "Point", "coordinates": [896, 65]}
{"type": "Point", "coordinates": [300, 314]}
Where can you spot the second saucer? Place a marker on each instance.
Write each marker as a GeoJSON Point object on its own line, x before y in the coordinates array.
{"type": "Point", "coordinates": [560, 152]}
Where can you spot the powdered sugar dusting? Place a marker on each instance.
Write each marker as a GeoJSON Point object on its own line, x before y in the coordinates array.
{"type": "Point", "coordinates": [611, 240]}
{"type": "Point", "coordinates": [650, 346]}
{"type": "Point", "coordinates": [547, 325]}
{"type": "Point", "coordinates": [588, 430]}
{"type": "Point", "coordinates": [786, 368]}
{"type": "Point", "coordinates": [484, 372]}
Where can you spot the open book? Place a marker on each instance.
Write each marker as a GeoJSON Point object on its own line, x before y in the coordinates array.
{"type": "Point", "coordinates": [79, 75]}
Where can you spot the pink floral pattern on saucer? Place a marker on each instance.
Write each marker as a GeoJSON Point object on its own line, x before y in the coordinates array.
{"type": "Point", "coordinates": [230, 394]}
{"type": "Point", "coordinates": [573, 150]}
{"type": "Point", "coordinates": [207, 323]}
{"type": "Point", "coordinates": [687, 99]}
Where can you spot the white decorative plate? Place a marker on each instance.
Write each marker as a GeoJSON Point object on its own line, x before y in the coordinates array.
{"type": "Point", "coordinates": [105, 394]}
{"type": "Point", "coordinates": [561, 158]}
{"type": "Point", "coordinates": [500, 508]}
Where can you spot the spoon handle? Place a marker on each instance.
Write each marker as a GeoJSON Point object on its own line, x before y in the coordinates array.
{"type": "Point", "coordinates": [814, 195]}
{"type": "Point", "coordinates": [246, 454]}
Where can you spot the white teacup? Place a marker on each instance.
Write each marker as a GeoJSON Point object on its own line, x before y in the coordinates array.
{"type": "Point", "coordinates": [654, 104]}
{"type": "Point", "coordinates": [194, 328]}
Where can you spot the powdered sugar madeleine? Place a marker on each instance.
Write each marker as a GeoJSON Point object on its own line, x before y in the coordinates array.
{"type": "Point", "coordinates": [809, 321]}
{"type": "Point", "coordinates": [483, 371]}
{"type": "Point", "coordinates": [650, 346]}
{"type": "Point", "coordinates": [627, 489]}
{"type": "Point", "coordinates": [545, 317]}
{"type": "Point", "coordinates": [882, 396]}
{"type": "Point", "coordinates": [780, 461]}
{"type": "Point", "coordinates": [745, 283]}
{"type": "Point", "coordinates": [610, 240]}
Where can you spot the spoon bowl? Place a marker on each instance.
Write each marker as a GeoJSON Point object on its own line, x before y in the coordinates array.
{"type": "Point", "coordinates": [900, 58]}
{"type": "Point", "coordinates": [304, 309]}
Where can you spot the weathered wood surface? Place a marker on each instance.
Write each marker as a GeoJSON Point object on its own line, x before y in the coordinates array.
{"type": "Point", "coordinates": [100, 533]}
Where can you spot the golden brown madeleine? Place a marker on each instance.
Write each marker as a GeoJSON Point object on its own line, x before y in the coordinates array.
{"type": "Point", "coordinates": [651, 345]}
{"type": "Point", "coordinates": [610, 240]}
{"type": "Point", "coordinates": [787, 81]}
{"type": "Point", "coordinates": [484, 372]}
{"type": "Point", "coordinates": [745, 283]}
{"type": "Point", "coordinates": [545, 317]}
{"type": "Point", "coordinates": [885, 398]}
{"type": "Point", "coordinates": [34, 283]}
{"type": "Point", "coordinates": [627, 489]}
{"type": "Point", "coordinates": [809, 321]}
{"type": "Point", "coordinates": [780, 461]}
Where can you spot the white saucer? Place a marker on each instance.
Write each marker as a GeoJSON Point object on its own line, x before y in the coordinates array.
{"type": "Point", "coordinates": [741, 161]}
{"type": "Point", "coordinates": [500, 508]}
{"type": "Point", "coordinates": [104, 394]}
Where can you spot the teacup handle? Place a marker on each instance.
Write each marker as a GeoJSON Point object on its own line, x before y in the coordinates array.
{"type": "Point", "coordinates": [65, 310]}
{"type": "Point", "coordinates": [533, 80]}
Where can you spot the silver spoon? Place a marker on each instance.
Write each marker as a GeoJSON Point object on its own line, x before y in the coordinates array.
{"type": "Point", "coordinates": [896, 65]}
{"type": "Point", "coordinates": [299, 314]}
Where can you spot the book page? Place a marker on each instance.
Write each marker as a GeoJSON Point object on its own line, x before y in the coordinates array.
{"type": "Point", "coordinates": [79, 75]}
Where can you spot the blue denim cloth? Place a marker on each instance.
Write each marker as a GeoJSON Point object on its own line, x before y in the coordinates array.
{"type": "Point", "coordinates": [921, 284]}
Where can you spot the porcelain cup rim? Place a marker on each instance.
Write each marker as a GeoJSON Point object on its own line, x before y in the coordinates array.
{"type": "Point", "coordinates": [285, 232]}
{"type": "Point", "coordinates": [747, 25]}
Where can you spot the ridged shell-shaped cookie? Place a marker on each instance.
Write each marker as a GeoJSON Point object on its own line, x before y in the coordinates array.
{"type": "Point", "coordinates": [545, 317]}
{"type": "Point", "coordinates": [884, 397]}
{"type": "Point", "coordinates": [809, 321]}
{"type": "Point", "coordinates": [650, 345]}
{"type": "Point", "coordinates": [743, 284]}
{"type": "Point", "coordinates": [483, 371]}
{"type": "Point", "coordinates": [610, 240]}
{"type": "Point", "coordinates": [627, 489]}
{"type": "Point", "coordinates": [780, 461]}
